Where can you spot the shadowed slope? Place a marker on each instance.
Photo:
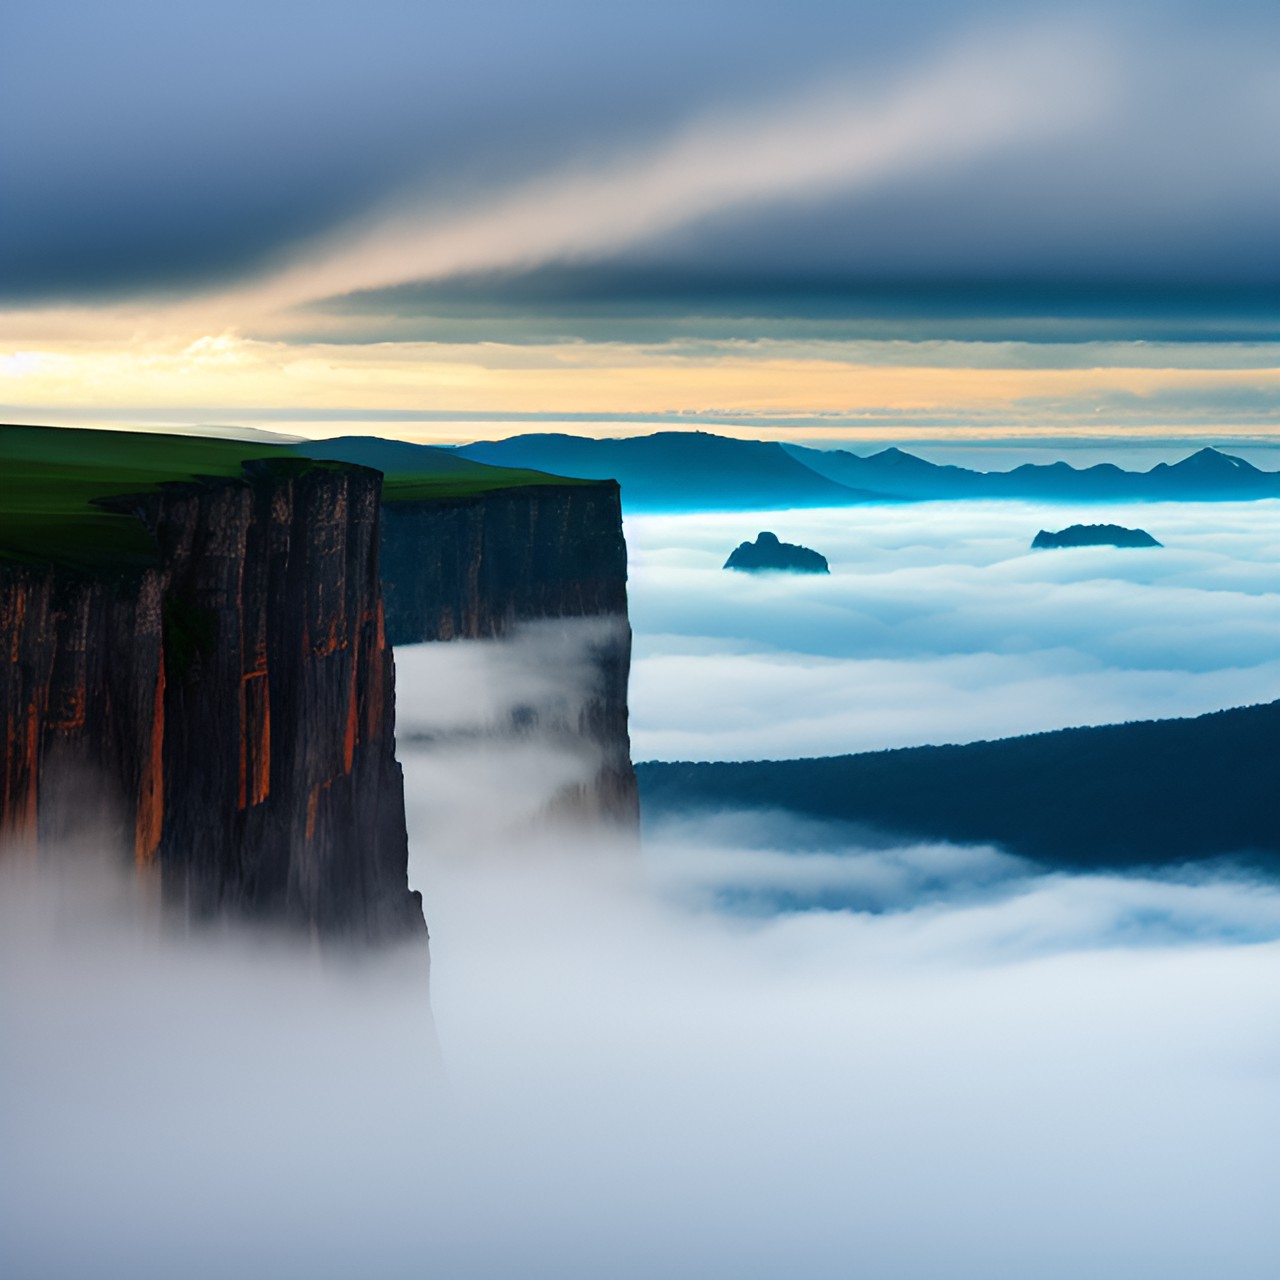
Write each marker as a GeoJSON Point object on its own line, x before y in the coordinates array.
{"type": "Point", "coordinates": [1156, 791]}
{"type": "Point", "coordinates": [677, 470]}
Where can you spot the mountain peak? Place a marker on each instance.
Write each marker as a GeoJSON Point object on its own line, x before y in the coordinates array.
{"type": "Point", "coordinates": [1213, 460]}
{"type": "Point", "coordinates": [895, 457]}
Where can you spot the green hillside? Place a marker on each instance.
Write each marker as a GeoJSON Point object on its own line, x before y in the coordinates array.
{"type": "Point", "coordinates": [51, 479]}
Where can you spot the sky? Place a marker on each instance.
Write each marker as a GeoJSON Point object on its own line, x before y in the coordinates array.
{"type": "Point", "coordinates": [839, 221]}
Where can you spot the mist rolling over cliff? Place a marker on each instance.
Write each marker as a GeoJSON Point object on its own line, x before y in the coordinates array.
{"type": "Point", "coordinates": [918, 1074]}
{"type": "Point", "coordinates": [500, 734]}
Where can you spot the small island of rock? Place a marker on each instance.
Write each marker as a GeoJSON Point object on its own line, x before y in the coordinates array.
{"type": "Point", "coordinates": [1094, 535]}
{"type": "Point", "coordinates": [767, 553]}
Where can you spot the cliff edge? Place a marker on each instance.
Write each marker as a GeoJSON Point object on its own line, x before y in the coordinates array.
{"type": "Point", "coordinates": [226, 712]}
{"type": "Point", "coordinates": [198, 674]}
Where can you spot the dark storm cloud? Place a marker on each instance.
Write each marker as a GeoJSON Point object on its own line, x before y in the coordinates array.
{"type": "Point", "coordinates": [147, 144]}
{"type": "Point", "coordinates": [633, 300]}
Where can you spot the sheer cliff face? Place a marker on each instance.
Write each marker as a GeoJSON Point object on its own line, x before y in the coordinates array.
{"type": "Point", "coordinates": [478, 567]}
{"type": "Point", "coordinates": [228, 716]}
{"type": "Point", "coordinates": [473, 567]}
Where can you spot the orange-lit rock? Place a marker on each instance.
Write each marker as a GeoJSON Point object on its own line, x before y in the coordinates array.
{"type": "Point", "coordinates": [180, 713]}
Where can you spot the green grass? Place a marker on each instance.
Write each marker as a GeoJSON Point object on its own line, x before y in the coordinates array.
{"type": "Point", "coordinates": [51, 476]}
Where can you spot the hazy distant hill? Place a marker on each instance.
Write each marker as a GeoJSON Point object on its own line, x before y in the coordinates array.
{"type": "Point", "coordinates": [1206, 476]}
{"type": "Point", "coordinates": [1155, 791]}
{"type": "Point", "coordinates": [696, 470]}
{"type": "Point", "coordinates": [677, 470]}
{"type": "Point", "coordinates": [415, 471]}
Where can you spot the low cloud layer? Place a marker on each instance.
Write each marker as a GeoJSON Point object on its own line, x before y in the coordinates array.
{"type": "Point", "coordinates": [1013, 1076]}
{"type": "Point", "coordinates": [938, 624]}
{"type": "Point", "coordinates": [489, 731]}
{"type": "Point", "coordinates": [758, 1047]}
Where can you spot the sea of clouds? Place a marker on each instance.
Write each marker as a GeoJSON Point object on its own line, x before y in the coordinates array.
{"type": "Point", "coordinates": [754, 1048]}
{"type": "Point", "coordinates": [939, 624]}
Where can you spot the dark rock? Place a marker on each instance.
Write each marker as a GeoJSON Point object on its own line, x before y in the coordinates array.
{"type": "Point", "coordinates": [234, 707]}
{"type": "Point", "coordinates": [479, 566]}
{"type": "Point", "coordinates": [767, 553]}
{"type": "Point", "coordinates": [1094, 535]}
{"type": "Point", "coordinates": [224, 717]}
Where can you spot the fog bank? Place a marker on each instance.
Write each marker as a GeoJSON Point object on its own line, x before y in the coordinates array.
{"type": "Point", "coordinates": [756, 1048]}
{"type": "Point", "coordinates": [939, 624]}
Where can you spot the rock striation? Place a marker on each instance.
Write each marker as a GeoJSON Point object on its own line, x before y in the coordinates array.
{"type": "Point", "coordinates": [477, 567]}
{"type": "Point", "coordinates": [1093, 535]}
{"type": "Point", "coordinates": [226, 714]}
{"type": "Point", "coordinates": [768, 553]}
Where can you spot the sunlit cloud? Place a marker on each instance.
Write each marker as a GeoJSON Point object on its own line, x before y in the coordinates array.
{"type": "Point", "coordinates": [890, 385]}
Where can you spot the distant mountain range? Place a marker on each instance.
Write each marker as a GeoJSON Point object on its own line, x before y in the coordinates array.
{"type": "Point", "coordinates": [678, 470]}
{"type": "Point", "coordinates": [1205, 475]}
{"type": "Point", "coordinates": [682, 470]}
{"type": "Point", "coordinates": [1154, 792]}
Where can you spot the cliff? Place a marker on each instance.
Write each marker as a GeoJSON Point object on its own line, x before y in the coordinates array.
{"type": "Point", "coordinates": [198, 676]}
{"type": "Point", "coordinates": [225, 713]}
{"type": "Point", "coordinates": [478, 566]}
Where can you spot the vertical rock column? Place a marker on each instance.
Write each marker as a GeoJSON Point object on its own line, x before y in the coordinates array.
{"type": "Point", "coordinates": [280, 696]}
{"type": "Point", "coordinates": [82, 669]}
{"type": "Point", "coordinates": [227, 719]}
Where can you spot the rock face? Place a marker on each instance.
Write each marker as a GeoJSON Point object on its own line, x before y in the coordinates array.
{"type": "Point", "coordinates": [227, 715]}
{"type": "Point", "coordinates": [767, 553]}
{"type": "Point", "coordinates": [1094, 535]}
{"type": "Point", "coordinates": [477, 567]}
